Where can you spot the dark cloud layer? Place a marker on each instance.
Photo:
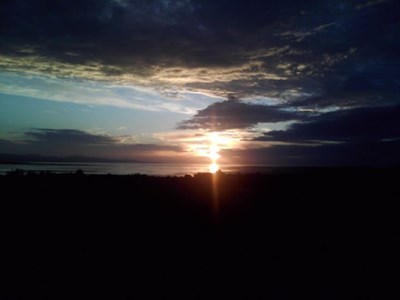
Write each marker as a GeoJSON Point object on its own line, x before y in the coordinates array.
{"type": "Point", "coordinates": [286, 49]}
{"type": "Point", "coordinates": [349, 126]}
{"type": "Point", "coordinates": [69, 136]}
{"type": "Point", "coordinates": [346, 154]}
{"type": "Point", "coordinates": [233, 114]}
{"type": "Point", "coordinates": [365, 136]}
{"type": "Point", "coordinates": [70, 142]}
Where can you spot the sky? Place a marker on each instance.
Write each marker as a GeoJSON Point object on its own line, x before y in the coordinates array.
{"type": "Point", "coordinates": [261, 82]}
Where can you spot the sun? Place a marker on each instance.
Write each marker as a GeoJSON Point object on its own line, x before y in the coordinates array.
{"type": "Point", "coordinates": [210, 145]}
{"type": "Point", "coordinates": [215, 141]}
{"type": "Point", "coordinates": [214, 167]}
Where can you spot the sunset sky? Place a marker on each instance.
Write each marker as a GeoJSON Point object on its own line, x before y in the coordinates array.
{"type": "Point", "coordinates": [252, 82]}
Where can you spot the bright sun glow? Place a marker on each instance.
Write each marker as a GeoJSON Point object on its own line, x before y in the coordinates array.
{"type": "Point", "coordinates": [215, 141]}
{"type": "Point", "coordinates": [214, 168]}
{"type": "Point", "coordinates": [211, 145]}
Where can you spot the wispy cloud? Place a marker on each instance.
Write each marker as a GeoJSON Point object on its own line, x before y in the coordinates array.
{"type": "Point", "coordinates": [92, 93]}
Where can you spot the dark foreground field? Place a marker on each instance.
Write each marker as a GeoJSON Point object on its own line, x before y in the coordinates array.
{"type": "Point", "coordinates": [323, 233]}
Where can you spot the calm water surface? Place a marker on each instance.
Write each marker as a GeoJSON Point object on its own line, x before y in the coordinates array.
{"type": "Point", "coordinates": [127, 168]}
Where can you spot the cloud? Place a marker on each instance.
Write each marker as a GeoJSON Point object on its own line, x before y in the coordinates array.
{"type": "Point", "coordinates": [348, 126]}
{"type": "Point", "coordinates": [373, 153]}
{"type": "Point", "coordinates": [218, 48]}
{"type": "Point", "coordinates": [71, 142]}
{"type": "Point", "coordinates": [69, 136]}
{"type": "Point", "coordinates": [93, 93]}
{"type": "Point", "coordinates": [360, 136]}
{"type": "Point", "coordinates": [234, 114]}
{"type": "Point", "coordinates": [369, 3]}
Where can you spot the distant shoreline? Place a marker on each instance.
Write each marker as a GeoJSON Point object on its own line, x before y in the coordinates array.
{"type": "Point", "coordinates": [84, 169]}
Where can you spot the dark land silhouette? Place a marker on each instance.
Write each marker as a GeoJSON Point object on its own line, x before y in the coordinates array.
{"type": "Point", "coordinates": [315, 233]}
